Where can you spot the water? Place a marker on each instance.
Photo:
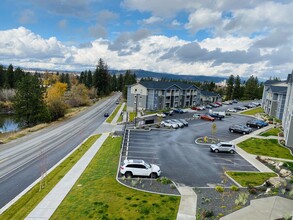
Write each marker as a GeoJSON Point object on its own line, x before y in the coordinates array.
{"type": "Point", "coordinates": [7, 124]}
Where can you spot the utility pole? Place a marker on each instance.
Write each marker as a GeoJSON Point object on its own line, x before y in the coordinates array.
{"type": "Point", "coordinates": [136, 101]}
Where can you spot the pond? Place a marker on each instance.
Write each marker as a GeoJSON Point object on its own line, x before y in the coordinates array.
{"type": "Point", "coordinates": [8, 124]}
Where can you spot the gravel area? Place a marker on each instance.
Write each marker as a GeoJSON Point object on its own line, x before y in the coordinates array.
{"type": "Point", "coordinates": [212, 204]}
{"type": "Point", "coordinates": [160, 185]}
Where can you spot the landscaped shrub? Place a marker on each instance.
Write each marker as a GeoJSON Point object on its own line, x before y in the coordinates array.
{"type": "Point", "coordinates": [252, 189]}
{"type": "Point", "coordinates": [242, 199]}
{"type": "Point", "coordinates": [219, 189]}
{"type": "Point", "coordinates": [234, 188]}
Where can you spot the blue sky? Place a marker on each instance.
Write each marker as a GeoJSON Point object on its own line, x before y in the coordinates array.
{"type": "Point", "coordinates": [203, 37]}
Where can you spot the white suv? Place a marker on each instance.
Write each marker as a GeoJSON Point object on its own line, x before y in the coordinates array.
{"type": "Point", "coordinates": [131, 168]}
{"type": "Point", "coordinates": [223, 147]}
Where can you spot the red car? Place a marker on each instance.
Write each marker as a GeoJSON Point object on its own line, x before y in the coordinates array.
{"type": "Point", "coordinates": [207, 117]}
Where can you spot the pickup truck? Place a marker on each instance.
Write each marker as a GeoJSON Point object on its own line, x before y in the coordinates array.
{"type": "Point", "coordinates": [217, 116]}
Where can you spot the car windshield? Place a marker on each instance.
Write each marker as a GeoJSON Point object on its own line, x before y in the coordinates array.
{"type": "Point", "coordinates": [148, 165]}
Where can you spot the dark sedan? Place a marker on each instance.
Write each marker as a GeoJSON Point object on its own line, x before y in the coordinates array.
{"type": "Point", "coordinates": [240, 128]}
{"type": "Point", "coordinates": [256, 123]}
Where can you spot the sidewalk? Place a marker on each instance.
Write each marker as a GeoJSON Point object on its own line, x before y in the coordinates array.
{"type": "Point", "coordinates": [187, 206]}
{"type": "Point", "coordinates": [50, 203]}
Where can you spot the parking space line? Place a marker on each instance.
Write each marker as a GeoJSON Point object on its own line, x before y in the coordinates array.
{"type": "Point", "coordinates": [151, 148]}
{"type": "Point", "coordinates": [149, 158]}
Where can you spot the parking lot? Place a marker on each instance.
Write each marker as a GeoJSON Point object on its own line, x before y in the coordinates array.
{"type": "Point", "coordinates": [180, 158]}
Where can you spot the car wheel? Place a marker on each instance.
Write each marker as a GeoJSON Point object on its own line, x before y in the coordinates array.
{"type": "Point", "coordinates": [231, 131]}
{"type": "Point", "coordinates": [244, 132]}
{"type": "Point", "coordinates": [128, 174]}
{"type": "Point", "coordinates": [232, 151]}
{"type": "Point", "coordinates": [216, 151]}
{"type": "Point", "coordinates": [258, 127]}
{"type": "Point", "coordinates": [247, 125]}
{"type": "Point", "coordinates": [154, 175]}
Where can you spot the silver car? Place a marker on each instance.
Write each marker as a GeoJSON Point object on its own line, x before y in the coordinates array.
{"type": "Point", "coordinates": [223, 147]}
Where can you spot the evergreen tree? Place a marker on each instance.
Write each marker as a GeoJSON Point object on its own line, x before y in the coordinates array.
{"type": "Point", "coordinates": [129, 79]}
{"type": "Point", "coordinates": [237, 90]}
{"type": "Point", "coordinates": [114, 83]}
{"type": "Point", "coordinates": [120, 82]}
{"type": "Point", "coordinates": [101, 79]}
{"type": "Point", "coordinates": [89, 79]}
{"type": "Point", "coordinates": [251, 88]}
{"type": "Point", "coordinates": [230, 87]}
{"type": "Point", "coordinates": [67, 81]}
{"type": "Point", "coordinates": [10, 77]}
{"type": "Point", "coordinates": [2, 77]}
{"type": "Point", "coordinates": [29, 106]}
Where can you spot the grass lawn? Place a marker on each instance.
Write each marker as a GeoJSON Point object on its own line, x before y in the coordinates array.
{"type": "Point", "coordinates": [111, 117]}
{"type": "Point", "coordinates": [265, 147]}
{"type": "Point", "coordinates": [97, 194]}
{"type": "Point", "coordinates": [131, 116]}
{"type": "Point", "coordinates": [253, 111]}
{"type": "Point", "coordinates": [250, 178]}
{"type": "Point", "coordinates": [31, 199]}
{"type": "Point", "coordinates": [271, 132]}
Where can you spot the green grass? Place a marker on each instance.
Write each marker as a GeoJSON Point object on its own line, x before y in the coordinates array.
{"type": "Point", "coordinates": [250, 178]}
{"type": "Point", "coordinates": [265, 147]}
{"type": "Point", "coordinates": [253, 111]}
{"type": "Point", "coordinates": [97, 194]}
{"type": "Point", "coordinates": [111, 117]}
{"type": "Point", "coordinates": [271, 132]}
{"type": "Point", "coordinates": [30, 200]}
{"type": "Point", "coordinates": [131, 116]}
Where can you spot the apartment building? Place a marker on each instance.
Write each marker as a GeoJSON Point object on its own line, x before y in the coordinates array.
{"type": "Point", "coordinates": [157, 95]}
{"type": "Point", "coordinates": [287, 121]}
{"type": "Point", "coordinates": [274, 98]}
{"type": "Point", "coordinates": [207, 97]}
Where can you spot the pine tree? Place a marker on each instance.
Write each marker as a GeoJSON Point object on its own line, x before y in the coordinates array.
{"type": "Point", "coordinates": [2, 77]}
{"type": "Point", "coordinates": [230, 87]}
{"type": "Point", "coordinates": [237, 90]}
{"type": "Point", "coordinates": [10, 77]}
{"type": "Point", "coordinates": [29, 106]}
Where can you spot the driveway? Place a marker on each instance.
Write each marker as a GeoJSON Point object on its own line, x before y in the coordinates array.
{"type": "Point", "coordinates": [181, 159]}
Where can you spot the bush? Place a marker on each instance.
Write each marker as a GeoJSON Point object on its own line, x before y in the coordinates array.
{"type": "Point", "coordinates": [219, 189]}
{"type": "Point", "coordinates": [252, 190]}
{"type": "Point", "coordinates": [234, 188]}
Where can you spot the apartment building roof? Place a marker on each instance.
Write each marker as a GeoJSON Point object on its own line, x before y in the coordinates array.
{"type": "Point", "coordinates": [270, 82]}
{"type": "Point", "coordinates": [208, 93]}
{"type": "Point", "coordinates": [278, 89]}
{"type": "Point", "coordinates": [290, 78]}
{"type": "Point", "coordinates": [166, 85]}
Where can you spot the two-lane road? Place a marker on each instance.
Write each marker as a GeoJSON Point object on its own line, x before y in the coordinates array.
{"type": "Point", "coordinates": [24, 160]}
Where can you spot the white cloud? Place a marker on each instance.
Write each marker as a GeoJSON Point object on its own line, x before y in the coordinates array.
{"type": "Point", "coordinates": [140, 50]}
{"type": "Point", "coordinates": [152, 20]}
{"type": "Point", "coordinates": [203, 19]}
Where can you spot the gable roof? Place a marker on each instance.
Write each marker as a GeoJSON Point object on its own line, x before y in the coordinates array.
{"type": "Point", "coordinates": [208, 93]}
{"type": "Point", "coordinates": [278, 89]}
{"type": "Point", "coordinates": [166, 85]}
{"type": "Point", "coordinates": [270, 82]}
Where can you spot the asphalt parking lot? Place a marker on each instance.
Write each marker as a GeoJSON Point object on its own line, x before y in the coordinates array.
{"type": "Point", "coordinates": [181, 159]}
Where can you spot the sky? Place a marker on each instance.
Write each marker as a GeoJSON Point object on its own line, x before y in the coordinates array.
{"type": "Point", "coordinates": [194, 37]}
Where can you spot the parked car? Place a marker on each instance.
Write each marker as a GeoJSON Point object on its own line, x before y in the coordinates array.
{"type": "Point", "coordinates": [256, 123]}
{"type": "Point", "coordinates": [238, 108]}
{"type": "Point", "coordinates": [183, 121]}
{"type": "Point", "coordinates": [223, 147]}
{"type": "Point", "coordinates": [219, 103]}
{"type": "Point", "coordinates": [198, 108]}
{"type": "Point", "coordinates": [242, 108]}
{"type": "Point", "coordinates": [226, 103]}
{"type": "Point", "coordinates": [240, 128]}
{"type": "Point", "coordinates": [256, 103]}
{"type": "Point", "coordinates": [131, 168]}
{"type": "Point", "coordinates": [207, 117]}
{"type": "Point", "coordinates": [106, 114]}
{"type": "Point", "coordinates": [196, 116]}
{"type": "Point", "coordinates": [169, 124]}
{"type": "Point", "coordinates": [208, 106]}
{"type": "Point", "coordinates": [178, 110]}
{"type": "Point", "coordinates": [250, 105]}
{"type": "Point", "coordinates": [217, 116]}
{"type": "Point", "coordinates": [161, 115]}
{"type": "Point", "coordinates": [231, 110]}
{"type": "Point", "coordinates": [214, 105]}
{"type": "Point", "coordinates": [170, 113]}
{"type": "Point", "coordinates": [180, 124]}
{"type": "Point", "coordinates": [234, 101]}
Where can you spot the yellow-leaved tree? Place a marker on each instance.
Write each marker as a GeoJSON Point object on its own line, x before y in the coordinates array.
{"type": "Point", "coordinates": [55, 100]}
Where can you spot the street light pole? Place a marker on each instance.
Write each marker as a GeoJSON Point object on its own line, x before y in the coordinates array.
{"type": "Point", "coordinates": [136, 97]}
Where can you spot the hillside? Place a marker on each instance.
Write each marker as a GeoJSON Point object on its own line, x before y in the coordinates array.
{"type": "Point", "coordinates": [145, 74]}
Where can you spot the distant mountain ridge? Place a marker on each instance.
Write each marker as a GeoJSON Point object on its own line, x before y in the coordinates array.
{"type": "Point", "coordinates": [145, 74]}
